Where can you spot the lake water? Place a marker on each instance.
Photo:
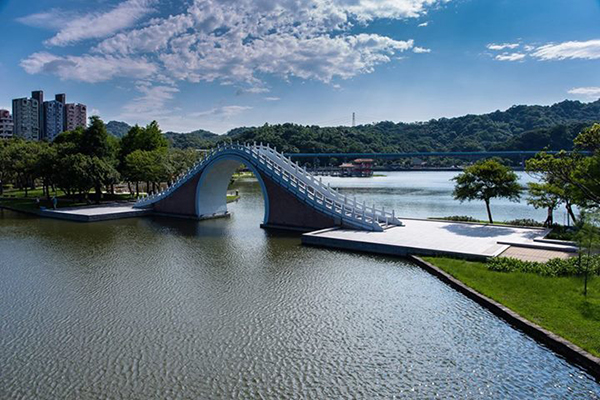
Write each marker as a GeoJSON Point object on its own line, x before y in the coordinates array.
{"type": "Point", "coordinates": [424, 194]}
{"type": "Point", "coordinates": [157, 308]}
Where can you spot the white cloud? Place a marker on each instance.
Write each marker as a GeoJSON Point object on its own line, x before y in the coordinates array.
{"type": "Point", "coordinates": [152, 38]}
{"type": "Point", "coordinates": [152, 103]}
{"type": "Point", "coordinates": [272, 98]}
{"type": "Point", "coordinates": [252, 90]}
{"type": "Point", "coordinates": [321, 58]}
{"type": "Point", "coordinates": [589, 50]}
{"type": "Point", "coordinates": [232, 42]}
{"type": "Point", "coordinates": [53, 19]}
{"type": "Point", "coordinates": [590, 91]}
{"type": "Point", "coordinates": [371, 9]}
{"type": "Point", "coordinates": [75, 28]}
{"type": "Point", "coordinates": [88, 68]}
{"type": "Point", "coordinates": [503, 46]}
{"type": "Point", "coordinates": [424, 24]}
{"type": "Point", "coordinates": [510, 57]}
{"type": "Point", "coordinates": [419, 50]}
{"type": "Point", "coordinates": [224, 112]}
{"type": "Point", "coordinates": [291, 38]}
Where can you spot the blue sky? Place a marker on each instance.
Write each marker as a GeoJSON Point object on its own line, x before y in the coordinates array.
{"type": "Point", "coordinates": [219, 64]}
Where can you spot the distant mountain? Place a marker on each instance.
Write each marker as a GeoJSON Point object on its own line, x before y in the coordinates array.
{"type": "Point", "coordinates": [117, 128]}
{"type": "Point", "coordinates": [519, 128]}
{"type": "Point", "coordinates": [196, 139]}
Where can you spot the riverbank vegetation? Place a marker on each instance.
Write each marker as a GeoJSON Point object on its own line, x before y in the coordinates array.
{"type": "Point", "coordinates": [555, 303]}
{"type": "Point", "coordinates": [566, 178]}
{"type": "Point", "coordinates": [85, 160]}
{"type": "Point", "coordinates": [36, 199]}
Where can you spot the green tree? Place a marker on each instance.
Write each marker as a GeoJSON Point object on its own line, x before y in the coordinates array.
{"type": "Point", "coordinates": [588, 139]}
{"type": "Point", "coordinates": [544, 195]}
{"type": "Point", "coordinates": [153, 143]}
{"type": "Point", "coordinates": [152, 138]}
{"type": "Point", "coordinates": [179, 161]}
{"type": "Point", "coordinates": [24, 157]}
{"type": "Point", "coordinates": [485, 180]}
{"type": "Point", "coordinates": [45, 166]}
{"type": "Point", "coordinates": [94, 141]}
{"type": "Point", "coordinates": [130, 142]}
{"type": "Point", "coordinates": [72, 174]}
{"type": "Point", "coordinates": [578, 174]}
{"type": "Point", "coordinates": [588, 240]}
{"type": "Point", "coordinates": [149, 138]}
{"type": "Point", "coordinates": [146, 166]}
{"type": "Point", "coordinates": [5, 163]}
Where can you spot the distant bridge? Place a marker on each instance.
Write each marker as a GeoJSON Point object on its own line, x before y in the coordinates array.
{"type": "Point", "coordinates": [294, 198]}
{"type": "Point", "coordinates": [420, 154]}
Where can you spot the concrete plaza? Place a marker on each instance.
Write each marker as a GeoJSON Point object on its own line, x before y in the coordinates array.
{"type": "Point", "coordinates": [431, 237]}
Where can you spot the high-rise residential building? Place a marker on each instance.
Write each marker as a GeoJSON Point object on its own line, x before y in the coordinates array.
{"type": "Point", "coordinates": [75, 116]}
{"type": "Point", "coordinates": [39, 96]}
{"type": "Point", "coordinates": [54, 119]}
{"type": "Point", "coordinates": [6, 125]}
{"type": "Point", "coordinates": [26, 113]}
{"type": "Point", "coordinates": [36, 119]}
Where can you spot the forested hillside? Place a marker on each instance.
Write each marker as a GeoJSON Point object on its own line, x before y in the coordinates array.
{"type": "Point", "coordinates": [199, 139]}
{"type": "Point", "coordinates": [518, 128]}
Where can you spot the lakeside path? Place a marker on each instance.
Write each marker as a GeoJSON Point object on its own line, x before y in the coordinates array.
{"type": "Point", "coordinates": [431, 237]}
{"type": "Point", "coordinates": [92, 214]}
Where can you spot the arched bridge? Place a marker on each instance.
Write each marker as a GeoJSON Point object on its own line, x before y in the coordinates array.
{"type": "Point", "coordinates": [293, 198]}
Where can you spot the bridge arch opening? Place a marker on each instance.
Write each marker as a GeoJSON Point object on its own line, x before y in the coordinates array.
{"type": "Point", "coordinates": [211, 191]}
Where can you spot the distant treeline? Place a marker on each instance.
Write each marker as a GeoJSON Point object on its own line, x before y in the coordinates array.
{"type": "Point", "coordinates": [518, 128]}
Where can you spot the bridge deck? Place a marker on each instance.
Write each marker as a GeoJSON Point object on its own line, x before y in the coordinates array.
{"type": "Point", "coordinates": [427, 237]}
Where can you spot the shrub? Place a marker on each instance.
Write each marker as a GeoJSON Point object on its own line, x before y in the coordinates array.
{"type": "Point", "coordinates": [460, 218]}
{"type": "Point", "coordinates": [524, 222]}
{"type": "Point", "coordinates": [555, 267]}
{"type": "Point", "coordinates": [560, 232]}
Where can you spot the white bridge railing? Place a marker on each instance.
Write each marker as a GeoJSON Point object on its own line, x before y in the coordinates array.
{"type": "Point", "coordinates": [296, 180]}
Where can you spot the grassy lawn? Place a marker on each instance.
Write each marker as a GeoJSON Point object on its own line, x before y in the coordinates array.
{"type": "Point", "coordinates": [16, 199]}
{"type": "Point", "coordinates": [30, 193]}
{"type": "Point", "coordinates": [243, 174]}
{"type": "Point", "coordinates": [557, 304]}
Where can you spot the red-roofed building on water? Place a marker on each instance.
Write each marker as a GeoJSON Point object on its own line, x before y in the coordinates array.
{"type": "Point", "coordinates": [361, 167]}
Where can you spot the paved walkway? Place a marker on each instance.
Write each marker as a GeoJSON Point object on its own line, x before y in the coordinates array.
{"type": "Point", "coordinates": [428, 237]}
{"type": "Point", "coordinates": [99, 213]}
{"type": "Point", "coordinates": [538, 255]}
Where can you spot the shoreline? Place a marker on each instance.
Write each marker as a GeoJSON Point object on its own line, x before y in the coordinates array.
{"type": "Point", "coordinates": [565, 348]}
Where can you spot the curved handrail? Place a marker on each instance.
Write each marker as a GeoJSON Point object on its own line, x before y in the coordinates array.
{"type": "Point", "coordinates": [295, 179]}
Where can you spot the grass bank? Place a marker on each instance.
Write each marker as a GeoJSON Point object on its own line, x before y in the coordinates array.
{"type": "Point", "coordinates": [16, 199]}
{"type": "Point", "coordinates": [556, 304]}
